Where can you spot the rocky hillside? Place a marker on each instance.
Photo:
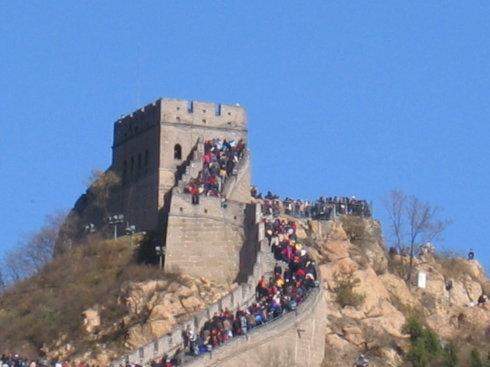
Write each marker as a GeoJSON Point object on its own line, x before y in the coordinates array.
{"type": "Point", "coordinates": [99, 301]}
{"type": "Point", "coordinates": [369, 301]}
{"type": "Point", "coordinates": [96, 303]}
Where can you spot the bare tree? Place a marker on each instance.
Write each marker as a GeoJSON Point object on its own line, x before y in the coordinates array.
{"type": "Point", "coordinates": [39, 247]}
{"type": "Point", "coordinates": [395, 205]}
{"type": "Point", "coordinates": [15, 267]}
{"type": "Point", "coordinates": [34, 251]}
{"type": "Point", "coordinates": [412, 223]}
{"type": "Point", "coordinates": [3, 285]}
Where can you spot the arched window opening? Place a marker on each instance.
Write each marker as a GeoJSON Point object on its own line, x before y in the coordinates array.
{"type": "Point", "coordinates": [178, 152]}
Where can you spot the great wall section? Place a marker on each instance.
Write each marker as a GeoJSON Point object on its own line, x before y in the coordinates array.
{"type": "Point", "coordinates": [212, 273]}
{"type": "Point", "coordinates": [303, 329]}
{"type": "Point", "coordinates": [156, 151]}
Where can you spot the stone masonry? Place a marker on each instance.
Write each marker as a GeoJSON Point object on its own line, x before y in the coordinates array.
{"type": "Point", "coordinates": [156, 150]}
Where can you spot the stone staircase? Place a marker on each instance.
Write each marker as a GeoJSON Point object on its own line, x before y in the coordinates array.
{"type": "Point", "coordinates": [242, 168]}
{"type": "Point", "coordinates": [195, 166]}
{"type": "Point", "coordinates": [254, 348]}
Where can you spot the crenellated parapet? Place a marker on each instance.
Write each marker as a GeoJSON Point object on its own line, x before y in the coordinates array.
{"type": "Point", "coordinates": [137, 122]}
{"type": "Point", "coordinates": [180, 112]}
{"type": "Point", "coordinates": [204, 114]}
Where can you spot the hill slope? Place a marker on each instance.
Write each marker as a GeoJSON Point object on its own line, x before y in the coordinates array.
{"type": "Point", "coordinates": [352, 248]}
{"type": "Point", "coordinates": [95, 303]}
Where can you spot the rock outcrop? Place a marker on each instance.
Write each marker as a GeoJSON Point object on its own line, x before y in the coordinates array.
{"type": "Point", "coordinates": [349, 248]}
{"type": "Point", "coordinates": [151, 309]}
{"type": "Point", "coordinates": [163, 304]}
{"type": "Point", "coordinates": [353, 248]}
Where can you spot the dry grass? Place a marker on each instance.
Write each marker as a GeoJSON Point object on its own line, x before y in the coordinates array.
{"type": "Point", "coordinates": [452, 265]}
{"type": "Point", "coordinates": [40, 309]}
{"type": "Point", "coordinates": [356, 229]}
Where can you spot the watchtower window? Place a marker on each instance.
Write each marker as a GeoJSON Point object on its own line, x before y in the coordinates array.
{"type": "Point", "coordinates": [147, 160]}
{"type": "Point", "coordinates": [177, 152]}
{"type": "Point", "coordinates": [132, 165]}
{"type": "Point", "coordinates": [139, 161]}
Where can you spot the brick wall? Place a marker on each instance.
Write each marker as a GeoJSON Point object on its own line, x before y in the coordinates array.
{"type": "Point", "coordinates": [205, 239]}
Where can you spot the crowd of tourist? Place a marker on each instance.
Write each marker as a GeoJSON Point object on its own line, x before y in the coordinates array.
{"type": "Point", "coordinates": [15, 360]}
{"type": "Point", "coordinates": [323, 208]}
{"type": "Point", "coordinates": [219, 162]}
{"type": "Point", "coordinates": [293, 277]}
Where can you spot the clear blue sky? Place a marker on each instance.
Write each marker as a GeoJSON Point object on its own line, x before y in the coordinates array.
{"type": "Point", "coordinates": [343, 99]}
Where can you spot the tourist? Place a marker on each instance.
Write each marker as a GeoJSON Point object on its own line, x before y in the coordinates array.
{"type": "Point", "coordinates": [482, 300]}
{"type": "Point", "coordinates": [287, 287]}
{"type": "Point", "coordinates": [219, 163]}
{"type": "Point", "coordinates": [361, 361]}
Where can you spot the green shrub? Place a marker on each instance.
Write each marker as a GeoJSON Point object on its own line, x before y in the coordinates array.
{"type": "Point", "coordinates": [475, 359]}
{"type": "Point", "coordinates": [345, 293]}
{"type": "Point", "coordinates": [451, 356]}
{"type": "Point", "coordinates": [425, 344]}
{"type": "Point", "coordinates": [413, 327]}
{"type": "Point", "coordinates": [418, 354]}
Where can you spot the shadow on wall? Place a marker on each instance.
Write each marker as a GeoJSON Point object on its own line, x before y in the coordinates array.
{"type": "Point", "coordinates": [145, 252]}
{"type": "Point", "coordinates": [163, 219]}
{"type": "Point", "coordinates": [248, 252]}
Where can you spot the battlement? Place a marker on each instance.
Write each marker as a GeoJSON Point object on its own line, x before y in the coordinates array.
{"type": "Point", "coordinates": [203, 114]}
{"type": "Point", "coordinates": [179, 111]}
{"type": "Point", "coordinates": [136, 122]}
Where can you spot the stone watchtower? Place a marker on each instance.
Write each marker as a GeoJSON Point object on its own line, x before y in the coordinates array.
{"type": "Point", "coordinates": [156, 149]}
{"type": "Point", "coordinates": [152, 146]}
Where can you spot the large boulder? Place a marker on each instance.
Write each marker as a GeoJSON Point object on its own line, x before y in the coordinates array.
{"type": "Point", "coordinates": [91, 320]}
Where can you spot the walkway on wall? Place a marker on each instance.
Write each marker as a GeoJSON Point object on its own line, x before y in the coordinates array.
{"type": "Point", "coordinates": [259, 335]}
